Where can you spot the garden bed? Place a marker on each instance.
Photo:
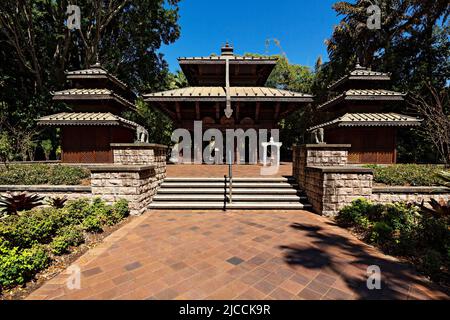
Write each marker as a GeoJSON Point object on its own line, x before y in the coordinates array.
{"type": "Point", "coordinates": [43, 174]}
{"type": "Point", "coordinates": [36, 245]}
{"type": "Point", "coordinates": [414, 234]}
{"type": "Point", "coordinates": [407, 175]}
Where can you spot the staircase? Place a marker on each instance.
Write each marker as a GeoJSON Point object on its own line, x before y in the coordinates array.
{"type": "Point", "coordinates": [248, 193]}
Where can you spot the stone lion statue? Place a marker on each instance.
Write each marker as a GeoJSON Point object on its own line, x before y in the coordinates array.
{"type": "Point", "coordinates": [142, 134]}
{"type": "Point", "coordinates": [317, 136]}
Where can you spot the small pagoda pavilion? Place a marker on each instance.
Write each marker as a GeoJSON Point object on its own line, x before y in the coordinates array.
{"type": "Point", "coordinates": [216, 82]}
{"type": "Point", "coordinates": [97, 99]}
{"type": "Point", "coordinates": [360, 115]}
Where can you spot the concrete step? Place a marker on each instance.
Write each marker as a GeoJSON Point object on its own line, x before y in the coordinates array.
{"type": "Point", "coordinates": [221, 179]}
{"type": "Point", "coordinates": [229, 206]}
{"type": "Point", "coordinates": [220, 197]}
{"type": "Point", "coordinates": [222, 184]}
{"type": "Point", "coordinates": [254, 191]}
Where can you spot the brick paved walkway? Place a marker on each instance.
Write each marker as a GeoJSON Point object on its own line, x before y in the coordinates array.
{"type": "Point", "coordinates": [251, 255]}
{"type": "Point", "coordinates": [218, 171]}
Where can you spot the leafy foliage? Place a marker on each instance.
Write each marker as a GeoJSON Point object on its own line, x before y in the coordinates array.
{"type": "Point", "coordinates": [159, 126]}
{"type": "Point", "coordinates": [57, 202]}
{"type": "Point", "coordinates": [6, 150]}
{"type": "Point", "coordinates": [32, 174]}
{"type": "Point", "coordinates": [37, 48]}
{"type": "Point", "coordinates": [403, 229]}
{"type": "Point", "coordinates": [18, 266]}
{"type": "Point", "coordinates": [413, 44]}
{"type": "Point", "coordinates": [28, 241]}
{"type": "Point", "coordinates": [407, 175]}
{"type": "Point", "coordinates": [445, 176]}
{"type": "Point", "coordinates": [67, 237]}
{"type": "Point", "coordinates": [13, 203]}
{"type": "Point", "coordinates": [47, 147]}
{"type": "Point", "coordinates": [297, 78]}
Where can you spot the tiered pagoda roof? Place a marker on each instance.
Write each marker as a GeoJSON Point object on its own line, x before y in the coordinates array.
{"type": "Point", "coordinates": [207, 78]}
{"type": "Point", "coordinates": [358, 75]}
{"type": "Point", "coordinates": [371, 120]}
{"type": "Point", "coordinates": [363, 95]}
{"type": "Point", "coordinates": [237, 94]}
{"type": "Point", "coordinates": [210, 70]}
{"type": "Point", "coordinates": [362, 91]}
{"type": "Point", "coordinates": [91, 95]}
{"type": "Point", "coordinates": [86, 118]}
{"type": "Point", "coordinates": [96, 97]}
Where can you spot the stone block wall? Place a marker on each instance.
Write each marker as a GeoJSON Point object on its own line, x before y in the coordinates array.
{"type": "Point", "coordinates": [146, 154]}
{"type": "Point", "coordinates": [50, 191]}
{"type": "Point", "coordinates": [317, 155]}
{"type": "Point", "coordinates": [137, 184]}
{"type": "Point", "coordinates": [386, 195]}
{"type": "Point", "coordinates": [330, 183]}
{"type": "Point", "coordinates": [329, 189]}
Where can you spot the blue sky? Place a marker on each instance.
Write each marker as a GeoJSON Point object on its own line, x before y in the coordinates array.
{"type": "Point", "coordinates": [301, 26]}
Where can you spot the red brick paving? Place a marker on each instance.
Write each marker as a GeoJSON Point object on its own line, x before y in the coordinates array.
{"type": "Point", "coordinates": [218, 171]}
{"type": "Point", "coordinates": [235, 255]}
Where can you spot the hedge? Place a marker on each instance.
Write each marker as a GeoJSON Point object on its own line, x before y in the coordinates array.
{"type": "Point", "coordinates": [407, 175]}
{"type": "Point", "coordinates": [29, 241]}
{"type": "Point", "coordinates": [33, 174]}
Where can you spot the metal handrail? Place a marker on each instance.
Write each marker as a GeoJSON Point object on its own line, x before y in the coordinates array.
{"type": "Point", "coordinates": [230, 175]}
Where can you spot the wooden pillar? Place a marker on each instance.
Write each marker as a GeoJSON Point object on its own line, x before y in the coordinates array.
{"type": "Point", "coordinates": [217, 106]}
{"type": "Point", "coordinates": [258, 109]}
{"type": "Point", "coordinates": [277, 111]}
{"type": "Point", "coordinates": [178, 110]}
{"type": "Point", "coordinates": [197, 110]}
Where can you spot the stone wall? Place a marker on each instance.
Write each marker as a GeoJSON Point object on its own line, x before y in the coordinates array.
{"type": "Point", "coordinates": [50, 191]}
{"type": "Point", "coordinates": [409, 194]}
{"type": "Point", "coordinates": [137, 184]}
{"type": "Point", "coordinates": [318, 155]}
{"type": "Point", "coordinates": [330, 184]}
{"type": "Point", "coordinates": [329, 189]}
{"type": "Point", "coordinates": [146, 154]}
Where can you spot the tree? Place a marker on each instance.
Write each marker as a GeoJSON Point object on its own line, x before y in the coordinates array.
{"type": "Point", "coordinates": [297, 78]}
{"type": "Point", "coordinates": [37, 48]}
{"type": "Point", "coordinates": [5, 148]}
{"type": "Point", "coordinates": [159, 126]}
{"type": "Point", "coordinates": [437, 120]}
{"type": "Point", "coordinates": [176, 80]}
{"type": "Point", "coordinates": [47, 147]}
{"type": "Point", "coordinates": [413, 43]}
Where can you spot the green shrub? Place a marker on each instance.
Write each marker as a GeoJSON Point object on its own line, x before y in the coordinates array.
{"type": "Point", "coordinates": [381, 232]}
{"type": "Point", "coordinates": [92, 224]}
{"type": "Point", "coordinates": [18, 266]}
{"type": "Point", "coordinates": [32, 174]}
{"type": "Point", "coordinates": [434, 233]}
{"type": "Point", "coordinates": [356, 213]}
{"type": "Point", "coordinates": [78, 210]}
{"type": "Point", "coordinates": [405, 230]}
{"type": "Point", "coordinates": [408, 175]}
{"type": "Point", "coordinates": [29, 228]}
{"type": "Point", "coordinates": [67, 236]}
{"type": "Point", "coordinates": [24, 238]}
{"type": "Point", "coordinates": [432, 263]}
{"type": "Point", "coordinates": [121, 210]}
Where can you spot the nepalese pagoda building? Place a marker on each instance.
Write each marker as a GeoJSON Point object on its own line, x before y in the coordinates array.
{"type": "Point", "coordinates": [97, 100]}
{"type": "Point", "coordinates": [360, 115]}
{"type": "Point", "coordinates": [254, 105]}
